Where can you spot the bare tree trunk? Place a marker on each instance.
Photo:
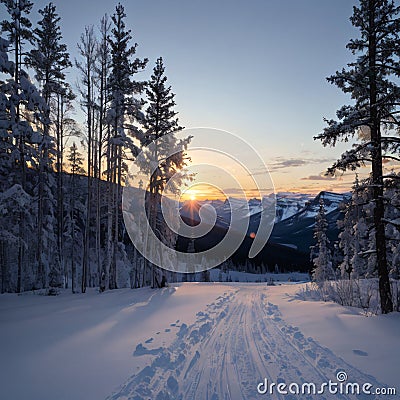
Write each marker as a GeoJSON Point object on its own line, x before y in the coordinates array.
{"type": "Point", "coordinates": [60, 185]}
{"type": "Point", "coordinates": [109, 206]}
{"type": "Point", "coordinates": [21, 147]}
{"type": "Point", "coordinates": [85, 263]}
{"type": "Point", "coordinates": [97, 161]}
{"type": "Point", "coordinates": [103, 54]}
{"type": "Point", "coordinates": [41, 201]}
{"type": "Point", "coordinates": [115, 235]}
{"type": "Point", "coordinates": [112, 283]}
{"type": "Point", "coordinates": [94, 167]}
{"type": "Point", "coordinates": [20, 256]}
{"type": "Point", "coordinates": [72, 217]}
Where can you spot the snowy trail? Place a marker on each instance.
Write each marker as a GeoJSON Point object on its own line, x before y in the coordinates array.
{"type": "Point", "coordinates": [235, 342]}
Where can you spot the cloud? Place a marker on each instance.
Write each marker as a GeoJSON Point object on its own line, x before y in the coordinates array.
{"type": "Point", "coordinates": [290, 163]}
{"type": "Point", "coordinates": [253, 189]}
{"type": "Point", "coordinates": [315, 187]}
{"type": "Point", "coordinates": [283, 163]}
{"type": "Point", "coordinates": [321, 177]}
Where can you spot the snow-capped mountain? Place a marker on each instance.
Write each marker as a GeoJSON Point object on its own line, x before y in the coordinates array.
{"type": "Point", "coordinates": [293, 231]}
{"type": "Point", "coordinates": [223, 209]}
{"type": "Point", "coordinates": [288, 204]}
{"type": "Point", "coordinates": [297, 231]}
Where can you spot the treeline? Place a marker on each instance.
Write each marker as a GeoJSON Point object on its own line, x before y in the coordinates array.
{"type": "Point", "coordinates": [60, 182]}
{"type": "Point", "coordinates": [353, 254]}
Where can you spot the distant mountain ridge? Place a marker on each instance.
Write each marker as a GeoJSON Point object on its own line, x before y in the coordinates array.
{"type": "Point", "coordinates": [298, 229]}
{"type": "Point", "coordinates": [292, 235]}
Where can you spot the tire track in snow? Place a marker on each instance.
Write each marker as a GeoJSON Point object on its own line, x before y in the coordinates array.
{"type": "Point", "coordinates": [236, 342]}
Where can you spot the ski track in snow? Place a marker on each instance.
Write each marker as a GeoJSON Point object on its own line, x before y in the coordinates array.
{"type": "Point", "coordinates": [236, 342]}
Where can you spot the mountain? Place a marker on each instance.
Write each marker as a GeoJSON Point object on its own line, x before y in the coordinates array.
{"type": "Point", "coordinates": [291, 237]}
{"type": "Point", "coordinates": [288, 204]}
{"type": "Point", "coordinates": [297, 231]}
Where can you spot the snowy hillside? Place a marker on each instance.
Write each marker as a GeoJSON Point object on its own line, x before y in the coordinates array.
{"type": "Point", "coordinates": [188, 341]}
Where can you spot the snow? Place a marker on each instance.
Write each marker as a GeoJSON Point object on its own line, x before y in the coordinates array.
{"type": "Point", "coordinates": [368, 343]}
{"type": "Point", "coordinates": [292, 246]}
{"type": "Point", "coordinates": [198, 340]}
{"type": "Point", "coordinates": [289, 204]}
{"type": "Point", "coordinates": [6, 66]}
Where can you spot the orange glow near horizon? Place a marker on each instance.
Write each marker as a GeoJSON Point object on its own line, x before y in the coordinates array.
{"type": "Point", "coordinates": [196, 195]}
{"type": "Point", "coordinates": [201, 192]}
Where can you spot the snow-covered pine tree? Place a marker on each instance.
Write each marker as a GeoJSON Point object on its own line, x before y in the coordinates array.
{"type": "Point", "coordinates": [346, 235]}
{"type": "Point", "coordinates": [23, 114]}
{"type": "Point", "coordinates": [49, 59]}
{"type": "Point", "coordinates": [392, 219]}
{"type": "Point", "coordinates": [75, 212]}
{"type": "Point", "coordinates": [15, 203]}
{"type": "Point", "coordinates": [354, 237]}
{"type": "Point", "coordinates": [364, 254]}
{"type": "Point", "coordinates": [124, 111]}
{"type": "Point", "coordinates": [161, 123]}
{"type": "Point", "coordinates": [345, 242]}
{"type": "Point", "coordinates": [323, 270]}
{"type": "Point", "coordinates": [371, 81]}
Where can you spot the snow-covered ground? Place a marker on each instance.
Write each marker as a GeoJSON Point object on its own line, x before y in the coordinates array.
{"type": "Point", "coordinates": [189, 341]}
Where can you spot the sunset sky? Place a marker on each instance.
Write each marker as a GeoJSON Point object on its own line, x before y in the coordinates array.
{"type": "Point", "coordinates": [254, 68]}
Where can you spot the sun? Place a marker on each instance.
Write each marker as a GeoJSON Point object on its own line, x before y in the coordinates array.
{"type": "Point", "coordinates": [191, 194]}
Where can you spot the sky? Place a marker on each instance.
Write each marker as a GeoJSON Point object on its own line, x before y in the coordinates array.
{"type": "Point", "coordinates": [255, 68]}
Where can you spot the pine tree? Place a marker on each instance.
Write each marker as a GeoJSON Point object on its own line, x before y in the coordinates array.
{"type": "Point", "coordinates": [354, 238]}
{"type": "Point", "coordinates": [15, 203]}
{"type": "Point", "coordinates": [370, 80]}
{"type": "Point", "coordinates": [65, 127]}
{"type": "Point", "coordinates": [49, 59]}
{"type": "Point", "coordinates": [124, 111]}
{"type": "Point", "coordinates": [19, 31]}
{"type": "Point", "coordinates": [392, 219]}
{"type": "Point", "coordinates": [323, 270]}
{"type": "Point", "coordinates": [160, 126]}
{"type": "Point", "coordinates": [23, 116]}
{"type": "Point", "coordinates": [74, 235]}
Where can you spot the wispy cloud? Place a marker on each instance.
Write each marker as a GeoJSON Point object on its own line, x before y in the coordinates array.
{"type": "Point", "coordinates": [320, 177]}
{"type": "Point", "coordinates": [314, 187]}
{"type": "Point", "coordinates": [280, 163]}
{"type": "Point", "coordinates": [283, 164]}
{"type": "Point", "coordinates": [233, 191]}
